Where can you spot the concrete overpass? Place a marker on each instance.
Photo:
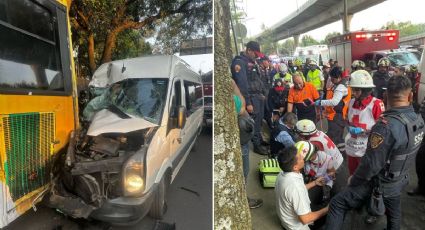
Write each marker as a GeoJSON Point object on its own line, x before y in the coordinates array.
{"type": "Point", "coordinates": [413, 40]}
{"type": "Point", "coordinates": [315, 14]}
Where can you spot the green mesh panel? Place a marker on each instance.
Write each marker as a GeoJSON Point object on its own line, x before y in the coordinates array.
{"type": "Point", "coordinates": [28, 138]}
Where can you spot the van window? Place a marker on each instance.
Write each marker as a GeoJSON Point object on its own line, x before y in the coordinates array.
{"type": "Point", "coordinates": [176, 99]}
{"type": "Point", "coordinates": [193, 92]}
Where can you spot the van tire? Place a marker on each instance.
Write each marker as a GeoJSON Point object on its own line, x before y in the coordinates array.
{"type": "Point", "coordinates": [159, 204]}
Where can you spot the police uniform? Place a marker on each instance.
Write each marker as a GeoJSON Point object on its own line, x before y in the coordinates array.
{"type": "Point", "coordinates": [380, 81]}
{"type": "Point", "coordinates": [245, 73]}
{"type": "Point", "coordinates": [391, 150]}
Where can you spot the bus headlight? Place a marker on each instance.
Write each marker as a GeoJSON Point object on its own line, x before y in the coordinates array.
{"type": "Point", "coordinates": [134, 181]}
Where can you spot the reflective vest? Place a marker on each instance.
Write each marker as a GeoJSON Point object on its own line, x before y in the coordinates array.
{"type": "Point", "coordinates": [355, 145]}
{"type": "Point", "coordinates": [342, 106]}
{"type": "Point", "coordinates": [313, 76]}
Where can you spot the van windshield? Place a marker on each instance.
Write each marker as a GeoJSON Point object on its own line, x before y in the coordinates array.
{"type": "Point", "coordinates": [144, 98]}
{"type": "Point", "coordinates": [403, 58]}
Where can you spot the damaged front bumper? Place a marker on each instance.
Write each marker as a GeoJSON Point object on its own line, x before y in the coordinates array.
{"type": "Point", "coordinates": [125, 210]}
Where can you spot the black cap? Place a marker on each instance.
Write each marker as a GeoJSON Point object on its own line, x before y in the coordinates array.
{"type": "Point", "coordinates": [255, 46]}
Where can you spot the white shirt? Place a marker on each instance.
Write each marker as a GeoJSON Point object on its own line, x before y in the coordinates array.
{"type": "Point", "coordinates": [291, 200]}
{"type": "Point", "coordinates": [320, 166]}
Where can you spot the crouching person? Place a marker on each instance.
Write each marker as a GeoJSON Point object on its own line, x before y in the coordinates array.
{"type": "Point", "coordinates": [317, 164]}
{"type": "Point", "coordinates": [292, 201]}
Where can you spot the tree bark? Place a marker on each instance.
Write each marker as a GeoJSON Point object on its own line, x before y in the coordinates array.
{"type": "Point", "coordinates": [92, 62]}
{"type": "Point", "coordinates": [231, 209]}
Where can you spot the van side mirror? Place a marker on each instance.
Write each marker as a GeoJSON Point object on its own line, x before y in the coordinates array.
{"type": "Point", "coordinates": [181, 119]}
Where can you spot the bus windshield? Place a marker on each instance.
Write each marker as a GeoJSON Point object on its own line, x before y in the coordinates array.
{"type": "Point", "coordinates": [143, 98]}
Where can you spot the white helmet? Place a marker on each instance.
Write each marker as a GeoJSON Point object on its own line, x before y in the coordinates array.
{"type": "Point", "coordinates": [305, 149]}
{"type": "Point", "coordinates": [283, 68]}
{"type": "Point", "coordinates": [361, 79]}
{"type": "Point", "coordinates": [305, 127]}
{"type": "Point", "coordinates": [312, 62]}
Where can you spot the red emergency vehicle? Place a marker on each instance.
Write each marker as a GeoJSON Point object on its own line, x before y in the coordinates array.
{"type": "Point", "coordinates": [354, 45]}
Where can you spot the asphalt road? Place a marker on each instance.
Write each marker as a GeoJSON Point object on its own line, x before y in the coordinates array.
{"type": "Point", "coordinates": [189, 200]}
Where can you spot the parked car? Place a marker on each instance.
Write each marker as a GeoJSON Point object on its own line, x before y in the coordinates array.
{"type": "Point", "coordinates": [396, 57]}
{"type": "Point", "coordinates": [138, 135]}
{"type": "Point", "coordinates": [208, 111]}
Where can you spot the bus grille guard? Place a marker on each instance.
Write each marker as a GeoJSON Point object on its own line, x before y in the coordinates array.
{"type": "Point", "coordinates": [28, 143]}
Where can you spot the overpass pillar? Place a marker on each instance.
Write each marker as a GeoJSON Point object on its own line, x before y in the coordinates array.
{"type": "Point", "coordinates": [296, 40]}
{"type": "Point", "coordinates": [346, 22]}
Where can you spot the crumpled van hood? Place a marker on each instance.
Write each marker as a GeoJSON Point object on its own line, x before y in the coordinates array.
{"type": "Point", "coordinates": [106, 121]}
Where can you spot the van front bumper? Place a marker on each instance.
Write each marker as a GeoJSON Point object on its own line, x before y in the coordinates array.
{"type": "Point", "coordinates": [125, 210]}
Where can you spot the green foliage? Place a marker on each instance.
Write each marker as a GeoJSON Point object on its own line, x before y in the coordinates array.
{"type": "Point", "coordinates": [329, 35]}
{"type": "Point", "coordinates": [308, 40]}
{"type": "Point", "coordinates": [120, 28]}
{"type": "Point", "coordinates": [131, 44]}
{"type": "Point", "coordinates": [268, 45]}
{"type": "Point", "coordinates": [287, 48]}
{"type": "Point", "coordinates": [406, 28]}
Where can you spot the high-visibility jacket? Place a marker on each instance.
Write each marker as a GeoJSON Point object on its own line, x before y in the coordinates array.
{"type": "Point", "coordinates": [313, 76]}
{"type": "Point", "coordinates": [342, 106]}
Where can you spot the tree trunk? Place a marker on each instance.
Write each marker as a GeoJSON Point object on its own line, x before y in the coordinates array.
{"type": "Point", "coordinates": [90, 51]}
{"type": "Point", "coordinates": [231, 209]}
{"type": "Point", "coordinates": [111, 39]}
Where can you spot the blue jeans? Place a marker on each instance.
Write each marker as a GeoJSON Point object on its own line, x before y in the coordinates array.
{"type": "Point", "coordinates": [354, 197]}
{"type": "Point", "coordinates": [245, 160]}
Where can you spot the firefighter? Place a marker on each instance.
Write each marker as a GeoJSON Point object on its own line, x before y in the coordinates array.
{"type": "Point", "coordinates": [315, 76]}
{"type": "Point", "coordinates": [299, 68]}
{"type": "Point", "coordinates": [357, 65]}
{"type": "Point", "coordinates": [245, 73]}
{"type": "Point", "coordinates": [383, 171]}
{"type": "Point", "coordinates": [283, 73]}
{"type": "Point", "coordinates": [380, 78]}
{"type": "Point", "coordinates": [336, 105]}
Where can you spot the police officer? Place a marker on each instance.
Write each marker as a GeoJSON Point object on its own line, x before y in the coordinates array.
{"type": "Point", "coordinates": [246, 74]}
{"type": "Point", "coordinates": [381, 77]}
{"type": "Point", "coordinates": [391, 150]}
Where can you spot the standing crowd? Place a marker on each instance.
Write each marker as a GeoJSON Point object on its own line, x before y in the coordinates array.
{"type": "Point", "coordinates": [383, 136]}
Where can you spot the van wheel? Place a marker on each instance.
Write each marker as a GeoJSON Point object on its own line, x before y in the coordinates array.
{"type": "Point", "coordinates": [159, 204]}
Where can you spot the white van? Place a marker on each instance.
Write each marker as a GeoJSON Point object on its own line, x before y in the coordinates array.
{"type": "Point", "coordinates": [146, 122]}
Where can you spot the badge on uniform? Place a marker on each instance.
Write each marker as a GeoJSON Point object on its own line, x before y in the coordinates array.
{"type": "Point", "coordinates": [375, 140]}
{"type": "Point", "coordinates": [237, 68]}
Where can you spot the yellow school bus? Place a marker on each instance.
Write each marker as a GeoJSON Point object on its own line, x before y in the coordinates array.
{"type": "Point", "coordinates": [38, 101]}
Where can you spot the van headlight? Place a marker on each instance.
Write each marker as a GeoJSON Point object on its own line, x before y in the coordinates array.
{"type": "Point", "coordinates": [134, 177]}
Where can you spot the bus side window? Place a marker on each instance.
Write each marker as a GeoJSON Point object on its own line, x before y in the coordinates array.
{"type": "Point", "coordinates": [176, 102]}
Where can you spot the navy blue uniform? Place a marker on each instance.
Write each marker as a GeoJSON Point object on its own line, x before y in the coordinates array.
{"type": "Point", "coordinates": [246, 74]}
{"type": "Point", "coordinates": [390, 152]}
{"type": "Point", "coordinates": [380, 81]}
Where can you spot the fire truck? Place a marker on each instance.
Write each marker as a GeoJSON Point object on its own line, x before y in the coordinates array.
{"type": "Point", "coordinates": [354, 45]}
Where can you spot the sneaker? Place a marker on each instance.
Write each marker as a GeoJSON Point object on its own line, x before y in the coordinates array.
{"type": "Point", "coordinates": [370, 219]}
{"type": "Point", "coordinates": [260, 150]}
{"type": "Point", "coordinates": [415, 192]}
{"type": "Point", "coordinates": [255, 203]}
